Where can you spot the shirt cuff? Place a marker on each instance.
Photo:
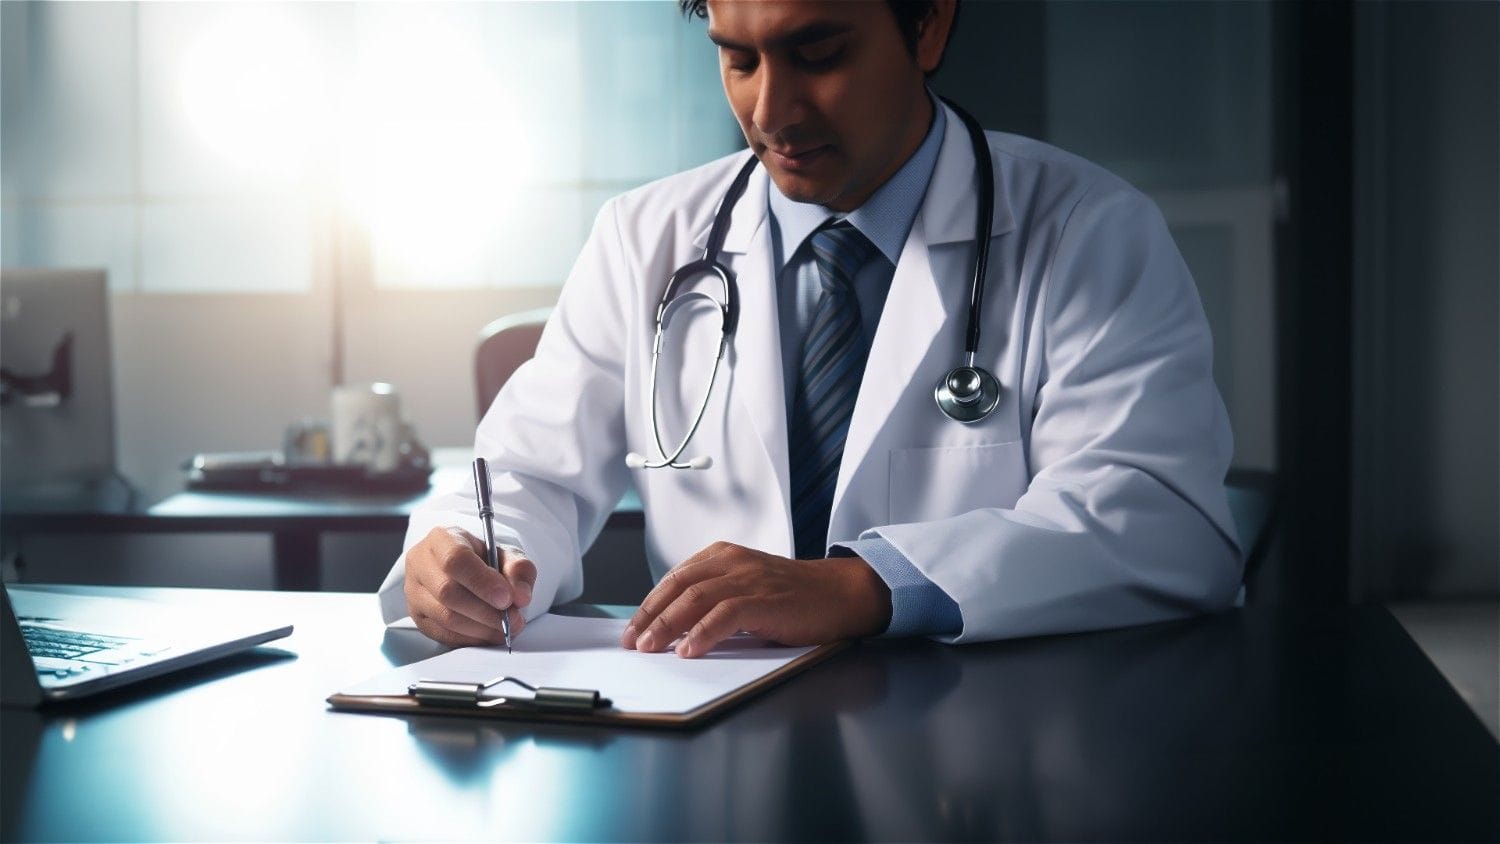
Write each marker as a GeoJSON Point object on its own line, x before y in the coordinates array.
{"type": "Point", "coordinates": [918, 606]}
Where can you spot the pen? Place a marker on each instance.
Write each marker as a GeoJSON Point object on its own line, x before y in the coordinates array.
{"type": "Point", "coordinates": [487, 516]}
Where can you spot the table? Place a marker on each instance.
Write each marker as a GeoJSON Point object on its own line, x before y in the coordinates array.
{"type": "Point", "coordinates": [295, 521]}
{"type": "Point", "coordinates": [1259, 723]}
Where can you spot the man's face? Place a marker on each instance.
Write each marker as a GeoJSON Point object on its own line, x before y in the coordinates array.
{"type": "Point", "coordinates": [825, 91]}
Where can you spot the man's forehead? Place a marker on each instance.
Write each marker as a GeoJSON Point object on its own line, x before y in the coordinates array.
{"type": "Point", "coordinates": [772, 22]}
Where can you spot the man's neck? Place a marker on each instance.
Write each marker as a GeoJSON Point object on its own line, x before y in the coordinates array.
{"type": "Point", "coordinates": [921, 126]}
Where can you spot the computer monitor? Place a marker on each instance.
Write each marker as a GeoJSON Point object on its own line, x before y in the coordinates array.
{"type": "Point", "coordinates": [57, 429]}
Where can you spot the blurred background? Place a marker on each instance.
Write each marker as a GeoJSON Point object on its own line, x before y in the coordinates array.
{"type": "Point", "coordinates": [289, 197]}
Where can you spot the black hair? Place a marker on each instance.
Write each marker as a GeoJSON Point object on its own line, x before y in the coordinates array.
{"type": "Point", "coordinates": [909, 17]}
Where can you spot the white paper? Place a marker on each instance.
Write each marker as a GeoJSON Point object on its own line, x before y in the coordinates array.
{"type": "Point", "coordinates": [585, 653]}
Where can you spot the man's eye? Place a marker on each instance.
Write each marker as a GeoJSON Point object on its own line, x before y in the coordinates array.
{"type": "Point", "coordinates": [821, 54]}
{"type": "Point", "coordinates": [740, 60]}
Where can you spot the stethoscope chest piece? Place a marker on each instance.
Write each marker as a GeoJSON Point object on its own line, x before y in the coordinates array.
{"type": "Point", "coordinates": [967, 394]}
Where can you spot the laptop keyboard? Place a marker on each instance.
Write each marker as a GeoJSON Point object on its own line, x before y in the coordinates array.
{"type": "Point", "coordinates": [61, 654]}
{"type": "Point", "coordinates": [67, 644]}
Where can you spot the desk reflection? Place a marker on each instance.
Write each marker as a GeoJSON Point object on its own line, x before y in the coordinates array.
{"type": "Point", "coordinates": [467, 749]}
{"type": "Point", "coordinates": [891, 740]}
{"type": "Point", "coordinates": [1254, 724]}
{"type": "Point", "coordinates": [1029, 728]}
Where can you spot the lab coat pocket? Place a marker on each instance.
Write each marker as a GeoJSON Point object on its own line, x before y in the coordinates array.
{"type": "Point", "coordinates": [937, 483]}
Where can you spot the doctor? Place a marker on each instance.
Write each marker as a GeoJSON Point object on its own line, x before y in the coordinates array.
{"type": "Point", "coordinates": [856, 462]}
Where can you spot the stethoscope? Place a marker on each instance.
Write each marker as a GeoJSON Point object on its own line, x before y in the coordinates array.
{"type": "Point", "coordinates": [967, 394]}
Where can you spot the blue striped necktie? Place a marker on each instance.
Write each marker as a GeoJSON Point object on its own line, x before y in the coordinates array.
{"type": "Point", "coordinates": [833, 361]}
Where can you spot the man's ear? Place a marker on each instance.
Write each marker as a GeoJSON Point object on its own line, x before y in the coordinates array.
{"type": "Point", "coordinates": [932, 34]}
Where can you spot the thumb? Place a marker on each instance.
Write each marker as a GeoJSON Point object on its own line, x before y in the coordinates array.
{"type": "Point", "coordinates": [521, 572]}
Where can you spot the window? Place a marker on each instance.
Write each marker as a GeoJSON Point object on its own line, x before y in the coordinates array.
{"type": "Point", "coordinates": [241, 147]}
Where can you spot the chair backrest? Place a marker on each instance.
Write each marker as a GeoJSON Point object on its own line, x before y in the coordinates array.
{"type": "Point", "coordinates": [503, 346]}
{"type": "Point", "coordinates": [1252, 502]}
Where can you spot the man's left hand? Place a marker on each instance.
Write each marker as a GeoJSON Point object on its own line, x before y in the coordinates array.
{"type": "Point", "coordinates": [727, 588]}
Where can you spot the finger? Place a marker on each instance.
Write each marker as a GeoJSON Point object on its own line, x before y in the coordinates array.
{"type": "Point", "coordinates": [708, 552]}
{"type": "Point", "coordinates": [450, 623]}
{"type": "Point", "coordinates": [521, 572]}
{"type": "Point", "coordinates": [658, 599]}
{"type": "Point", "coordinates": [443, 637]}
{"type": "Point", "coordinates": [479, 583]}
{"type": "Point", "coordinates": [444, 553]}
{"type": "Point", "coordinates": [677, 618]}
{"type": "Point", "coordinates": [440, 624]}
{"type": "Point", "coordinates": [444, 571]}
{"type": "Point", "coordinates": [687, 572]}
{"type": "Point", "coordinates": [662, 594]}
{"type": "Point", "coordinates": [451, 639]}
{"type": "Point", "coordinates": [443, 613]}
{"type": "Point", "coordinates": [465, 538]}
{"type": "Point", "coordinates": [462, 565]}
{"type": "Point", "coordinates": [517, 622]}
{"type": "Point", "coordinates": [455, 596]}
{"type": "Point", "coordinates": [718, 624]}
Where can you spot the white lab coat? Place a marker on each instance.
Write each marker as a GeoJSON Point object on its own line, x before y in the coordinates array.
{"type": "Point", "coordinates": [1092, 497]}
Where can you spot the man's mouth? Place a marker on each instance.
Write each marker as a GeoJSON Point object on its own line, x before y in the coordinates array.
{"type": "Point", "coordinates": [800, 158]}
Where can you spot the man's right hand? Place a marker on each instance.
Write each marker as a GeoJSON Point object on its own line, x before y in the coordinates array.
{"type": "Point", "coordinates": [456, 598]}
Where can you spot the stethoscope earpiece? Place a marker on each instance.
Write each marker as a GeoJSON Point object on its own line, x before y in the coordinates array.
{"type": "Point", "coordinates": [636, 460]}
{"type": "Point", "coordinates": [967, 394]}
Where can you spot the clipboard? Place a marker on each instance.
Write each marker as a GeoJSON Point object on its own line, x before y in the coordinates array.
{"type": "Point", "coordinates": [498, 699]}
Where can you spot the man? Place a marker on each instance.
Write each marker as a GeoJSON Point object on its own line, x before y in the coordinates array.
{"type": "Point", "coordinates": [840, 502]}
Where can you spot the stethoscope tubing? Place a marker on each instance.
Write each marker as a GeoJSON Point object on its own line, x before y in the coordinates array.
{"type": "Point", "coordinates": [983, 221]}
{"type": "Point", "coordinates": [729, 316]}
{"type": "Point", "coordinates": [671, 461]}
{"type": "Point", "coordinates": [729, 310]}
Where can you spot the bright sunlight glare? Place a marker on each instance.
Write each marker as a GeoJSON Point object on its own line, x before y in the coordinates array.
{"type": "Point", "coordinates": [431, 154]}
{"type": "Point", "coordinates": [253, 92]}
{"type": "Point", "coordinates": [416, 128]}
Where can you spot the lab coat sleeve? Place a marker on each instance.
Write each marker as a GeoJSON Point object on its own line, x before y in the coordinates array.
{"type": "Point", "coordinates": [918, 607]}
{"type": "Point", "coordinates": [1125, 519]}
{"type": "Point", "coordinates": [554, 437]}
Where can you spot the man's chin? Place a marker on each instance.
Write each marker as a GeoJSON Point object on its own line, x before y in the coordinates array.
{"type": "Point", "coordinates": [802, 189]}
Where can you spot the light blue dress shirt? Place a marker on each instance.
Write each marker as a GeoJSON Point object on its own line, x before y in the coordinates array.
{"type": "Point", "coordinates": [917, 606]}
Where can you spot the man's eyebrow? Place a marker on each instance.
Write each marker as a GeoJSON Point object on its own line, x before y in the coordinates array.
{"type": "Point", "coordinates": [807, 34]}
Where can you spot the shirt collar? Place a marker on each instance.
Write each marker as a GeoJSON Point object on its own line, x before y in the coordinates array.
{"type": "Point", "coordinates": [885, 218]}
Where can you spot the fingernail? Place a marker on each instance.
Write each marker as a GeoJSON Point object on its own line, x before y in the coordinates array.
{"type": "Point", "coordinates": [645, 643]}
{"type": "Point", "coordinates": [628, 637]}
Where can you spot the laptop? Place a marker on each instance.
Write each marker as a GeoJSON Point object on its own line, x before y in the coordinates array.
{"type": "Point", "coordinates": [56, 646]}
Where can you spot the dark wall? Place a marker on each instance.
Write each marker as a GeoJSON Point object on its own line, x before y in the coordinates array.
{"type": "Point", "coordinates": [1426, 355]}
{"type": "Point", "coordinates": [996, 65]}
{"type": "Point", "coordinates": [1385, 194]}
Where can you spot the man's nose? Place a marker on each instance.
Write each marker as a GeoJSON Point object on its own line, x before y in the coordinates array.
{"type": "Point", "coordinates": [778, 101]}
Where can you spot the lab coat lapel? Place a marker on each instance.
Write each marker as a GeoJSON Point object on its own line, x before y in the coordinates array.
{"type": "Point", "coordinates": [929, 289]}
{"type": "Point", "coordinates": [913, 317]}
{"type": "Point", "coordinates": [949, 209]}
{"type": "Point", "coordinates": [753, 361]}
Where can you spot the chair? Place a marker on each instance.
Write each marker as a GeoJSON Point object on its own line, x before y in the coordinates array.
{"type": "Point", "coordinates": [1252, 503]}
{"type": "Point", "coordinates": [503, 346]}
{"type": "Point", "coordinates": [614, 568]}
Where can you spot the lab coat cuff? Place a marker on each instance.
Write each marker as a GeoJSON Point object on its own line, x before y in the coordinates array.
{"type": "Point", "coordinates": [918, 606]}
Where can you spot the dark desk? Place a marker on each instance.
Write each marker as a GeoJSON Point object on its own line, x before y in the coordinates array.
{"type": "Point", "coordinates": [296, 522]}
{"type": "Point", "coordinates": [1258, 724]}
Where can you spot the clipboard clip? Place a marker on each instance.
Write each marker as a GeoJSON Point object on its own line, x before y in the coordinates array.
{"type": "Point", "coordinates": [471, 695]}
